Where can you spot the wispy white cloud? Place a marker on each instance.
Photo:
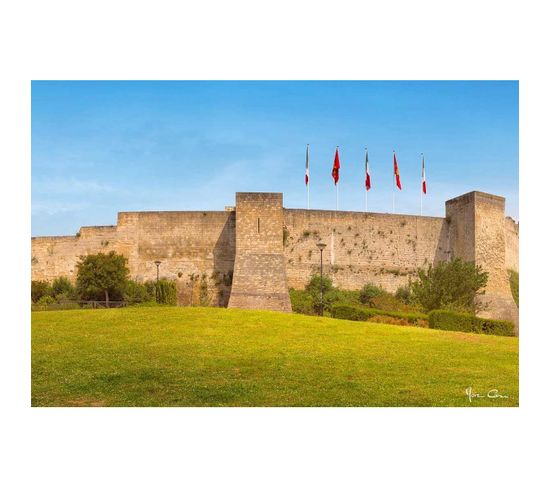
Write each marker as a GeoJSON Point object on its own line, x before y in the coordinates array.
{"type": "Point", "coordinates": [70, 186]}
{"type": "Point", "coordinates": [50, 208]}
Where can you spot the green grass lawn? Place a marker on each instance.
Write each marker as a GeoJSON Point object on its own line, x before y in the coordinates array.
{"type": "Point", "coordinates": [176, 356]}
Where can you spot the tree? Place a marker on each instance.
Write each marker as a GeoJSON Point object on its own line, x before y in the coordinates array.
{"type": "Point", "coordinates": [314, 290]}
{"type": "Point", "coordinates": [453, 285]}
{"type": "Point", "coordinates": [40, 289]}
{"type": "Point", "coordinates": [102, 274]}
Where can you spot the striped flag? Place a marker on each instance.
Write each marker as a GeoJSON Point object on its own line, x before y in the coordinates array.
{"type": "Point", "coordinates": [336, 167]}
{"type": "Point", "coordinates": [367, 172]}
{"type": "Point", "coordinates": [424, 187]}
{"type": "Point", "coordinates": [307, 165]}
{"type": "Point", "coordinates": [396, 172]}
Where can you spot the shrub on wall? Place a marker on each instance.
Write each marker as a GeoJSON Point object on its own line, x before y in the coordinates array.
{"type": "Point", "coordinates": [447, 320]}
{"type": "Point", "coordinates": [513, 277]}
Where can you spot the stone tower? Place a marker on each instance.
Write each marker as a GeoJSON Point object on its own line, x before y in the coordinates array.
{"type": "Point", "coordinates": [259, 275]}
{"type": "Point", "coordinates": [477, 234]}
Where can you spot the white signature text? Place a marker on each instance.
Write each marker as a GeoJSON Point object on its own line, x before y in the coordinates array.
{"type": "Point", "coordinates": [490, 394]}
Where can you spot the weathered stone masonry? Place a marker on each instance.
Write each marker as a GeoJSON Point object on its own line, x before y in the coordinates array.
{"type": "Point", "coordinates": [248, 256]}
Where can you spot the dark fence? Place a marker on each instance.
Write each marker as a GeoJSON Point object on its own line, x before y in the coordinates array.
{"type": "Point", "coordinates": [79, 304]}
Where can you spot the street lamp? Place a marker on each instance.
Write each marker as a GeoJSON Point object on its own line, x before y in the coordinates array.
{"type": "Point", "coordinates": [157, 287]}
{"type": "Point", "coordinates": [321, 246]}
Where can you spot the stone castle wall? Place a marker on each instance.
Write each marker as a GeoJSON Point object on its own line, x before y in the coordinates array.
{"type": "Point", "coordinates": [477, 231]}
{"type": "Point", "coordinates": [385, 249]}
{"type": "Point", "coordinates": [259, 277]}
{"type": "Point", "coordinates": [249, 255]}
{"type": "Point", "coordinates": [511, 234]}
{"type": "Point", "coordinates": [57, 256]}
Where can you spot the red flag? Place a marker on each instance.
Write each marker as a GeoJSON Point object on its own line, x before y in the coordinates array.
{"type": "Point", "coordinates": [396, 172]}
{"type": "Point", "coordinates": [336, 168]}
{"type": "Point", "coordinates": [367, 172]}
{"type": "Point", "coordinates": [307, 165]}
{"type": "Point", "coordinates": [424, 188]}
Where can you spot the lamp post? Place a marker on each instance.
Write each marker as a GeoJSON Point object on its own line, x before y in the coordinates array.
{"type": "Point", "coordinates": [157, 287]}
{"type": "Point", "coordinates": [321, 246]}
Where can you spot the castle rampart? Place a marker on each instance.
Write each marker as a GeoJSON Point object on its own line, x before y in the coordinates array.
{"type": "Point", "coordinates": [248, 255]}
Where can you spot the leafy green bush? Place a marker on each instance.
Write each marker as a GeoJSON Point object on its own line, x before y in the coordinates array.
{"type": "Point", "coordinates": [62, 288]}
{"type": "Point", "coordinates": [308, 301]}
{"type": "Point", "coordinates": [350, 312]}
{"type": "Point", "coordinates": [301, 301]}
{"type": "Point", "coordinates": [452, 285]}
{"type": "Point", "coordinates": [403, 294]}
{"type": "Point", "coordinates": [40, 289]}
{"type": "Point", "coordinates": [204, 296]}
{"type": "Point", "coordinates": [389, 302]}
{"type": "Point", "coordinates": [166, 292]}
{"type": "Point", "coordinates": [314, 290]}
{"type": "Point", "coordinates": [513, 276]}
{"type": "Point", "coordinates": [345, 297]}
{"type": "Point", "coordinates": [46, 300]}
{"type": "Point", "coordinates": [151, 287]}
{"type": "Point", "coordinates": [137, 292]}
{"type": "Point", "coordinates": [386, 319]}
{"type": "Point", "coordinates": [448, 320]}
{"type": "Point", "coordinates": [369, 292]}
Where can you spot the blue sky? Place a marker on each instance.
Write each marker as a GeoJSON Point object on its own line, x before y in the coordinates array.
{"type": "Point", "coordinates": [103, 147]}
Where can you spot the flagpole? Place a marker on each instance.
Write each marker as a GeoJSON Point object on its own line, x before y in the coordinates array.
{"type": "Point", "coordinates": [366, 176]}
{"type": "Point", "coordinates": [307, 174]}
{"type": "Point", "coordinates": [337, 182]}
{"type": "Point", "coordinates": [393, 184]}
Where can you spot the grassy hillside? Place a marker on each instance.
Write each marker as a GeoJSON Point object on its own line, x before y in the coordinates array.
{"type": "Point", "coordinates": [174, 356]}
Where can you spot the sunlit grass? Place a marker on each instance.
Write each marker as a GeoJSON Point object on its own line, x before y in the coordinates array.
{"type": "Point", "coordinates": [176, 356]}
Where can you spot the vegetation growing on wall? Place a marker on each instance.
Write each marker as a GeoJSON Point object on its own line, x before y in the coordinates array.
{"type": "Point", "coordinates": [513, 277]}
{"type": "Point", "coordinates": [285, 236]}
